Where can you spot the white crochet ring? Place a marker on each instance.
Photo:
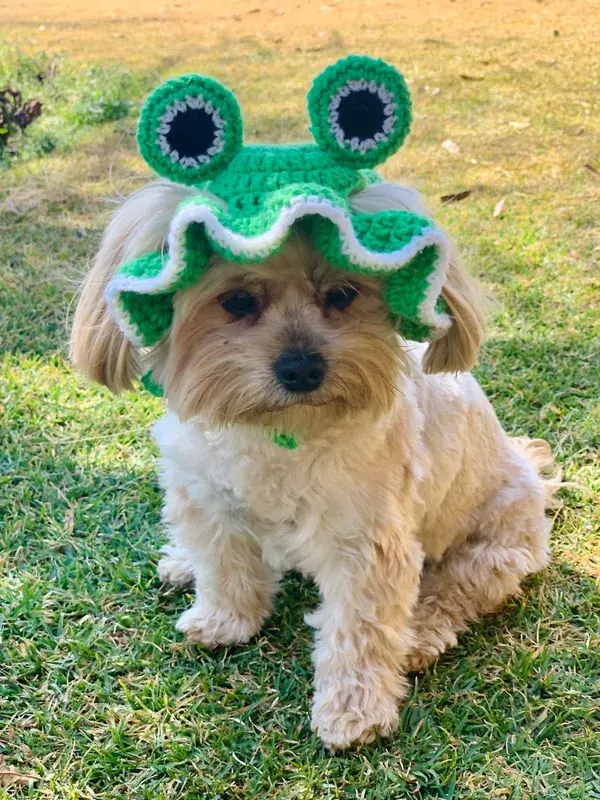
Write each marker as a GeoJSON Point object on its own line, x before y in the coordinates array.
{"type": "Point", "coordinates": [165, 123]}
{"type": "Point", "coordinates": [388, 106]}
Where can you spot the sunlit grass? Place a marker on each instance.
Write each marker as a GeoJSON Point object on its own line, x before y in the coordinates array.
{"type": "Point", "coordinates": [99, 697]}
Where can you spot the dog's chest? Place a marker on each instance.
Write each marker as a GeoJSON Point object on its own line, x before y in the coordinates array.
{"type": "Point", "coordinates": [267, 486]}
{"type": "Point", "coordinates": [288, 499]}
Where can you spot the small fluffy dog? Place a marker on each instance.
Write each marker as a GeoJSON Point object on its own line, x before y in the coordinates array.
{"type": "Point", "coordinates": [304, 432]}
{"type": "Point", "coordinates": [406, 502]}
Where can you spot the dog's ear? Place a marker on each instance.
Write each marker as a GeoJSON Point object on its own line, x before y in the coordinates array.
{"type": "Point", "coordinates": [98, 347]}
{"type": "Point", "coordinates": [458, 349]}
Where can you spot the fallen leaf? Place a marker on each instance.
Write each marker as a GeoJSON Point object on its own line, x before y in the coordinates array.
{"type": "Point", "coordinates": [456, 197]}
{"type": "Point", "coordinates": [592, 168]}
{"type": "Point", "coordinates": [466, 77]}
{"type": "Point", "coordinates": [10, 777]}
{"type": "Point", "coordinates": [499, 207]}
{"type": "Point", "coordinates": [451, 146]}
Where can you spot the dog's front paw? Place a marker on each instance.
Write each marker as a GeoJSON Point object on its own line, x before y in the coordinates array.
{"type": "Point", "coordinates": [353, 714]}
{"type": "Point", "coordinates": [217, 626]}
{"type": "Point", "coordinates": [420, 660]}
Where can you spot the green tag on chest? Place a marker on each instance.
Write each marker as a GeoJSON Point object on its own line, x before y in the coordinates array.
{"type": "Point", "coordinates": [285, 440]}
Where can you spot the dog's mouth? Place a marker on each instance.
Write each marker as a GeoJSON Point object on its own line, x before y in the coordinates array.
{"type": "Point", "coordinates": [317, 399]}
{"type": "Point", "coordinates": [295, 411]}
{"type": "Point", "coordinates": [301, 403]}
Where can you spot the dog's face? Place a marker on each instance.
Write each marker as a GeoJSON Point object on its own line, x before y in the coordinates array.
{"type": "Point", "coordinates": [290, 343]}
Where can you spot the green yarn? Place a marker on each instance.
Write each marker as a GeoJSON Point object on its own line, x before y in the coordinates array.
{"type": "Point", "coordinates": [367, 74]}
{"type": "Point", "coordinates": [250, 198]}
{"type": "Point", "coordinates": [260, 169]}
{"type": "Point", "coordinates": [151, 385]}
{"type": "Point", "coordinates": [285, 440]}
{"type": "Point", "coordinates": [175, 94]}
{"type": "Point", "coordinates": [405, 290]}
{"type": "Point", "coordinates": [381, 232]}
{"type": "Point", "coordinates": [151, 314]}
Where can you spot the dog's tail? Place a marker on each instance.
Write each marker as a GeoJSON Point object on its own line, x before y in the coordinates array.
{"type": "Point", "coordinates": [539, 454]}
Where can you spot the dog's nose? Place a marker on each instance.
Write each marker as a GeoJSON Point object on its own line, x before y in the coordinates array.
{"type": "Point", "coordinates": [300, 370]}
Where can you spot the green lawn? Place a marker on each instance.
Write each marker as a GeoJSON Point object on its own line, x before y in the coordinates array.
{"type": "Point", "coordinates": [99, 696]}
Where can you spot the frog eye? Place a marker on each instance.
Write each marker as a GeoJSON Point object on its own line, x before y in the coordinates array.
{"type": "Point", "coordinates": [190, 128]}
{"type": "Point", "coordinates": [360, 111]}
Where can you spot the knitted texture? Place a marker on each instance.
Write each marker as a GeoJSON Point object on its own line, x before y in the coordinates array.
{"type": "Point", "coordinates": [360, 111]}
{"type": "Point", "coordinates": [190, 128]}
{"type": "Point", "coordinates": [249, 199]}
{"type": "Point", "coordinates": [261, 169]}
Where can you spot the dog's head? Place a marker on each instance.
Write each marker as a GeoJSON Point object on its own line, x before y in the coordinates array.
{"type": "Point", "coordinates": [288, 344]}
{"type": "Point", "coordinates": [282, 344]}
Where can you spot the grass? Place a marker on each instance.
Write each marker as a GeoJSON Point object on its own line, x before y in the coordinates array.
{"type": "Point", "coordinates": [99, 697]}
{"type": "Point", "coordinates": [74, 99]}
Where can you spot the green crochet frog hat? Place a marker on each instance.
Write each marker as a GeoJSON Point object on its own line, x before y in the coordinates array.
{"type": "Point", "coordinates": [249, 197]}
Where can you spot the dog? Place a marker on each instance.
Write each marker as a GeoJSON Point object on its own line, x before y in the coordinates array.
{"type": "Point", "coordinates": [406, 502]}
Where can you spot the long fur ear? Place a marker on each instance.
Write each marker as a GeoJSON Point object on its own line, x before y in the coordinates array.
{"type": "Point", "coordinates": [456, 351]}
{"type": "Point", "coordinates": [140, 225]}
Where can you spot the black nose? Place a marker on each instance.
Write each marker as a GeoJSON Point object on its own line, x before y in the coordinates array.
{"type": "Point", "coordinates": [300, 370]}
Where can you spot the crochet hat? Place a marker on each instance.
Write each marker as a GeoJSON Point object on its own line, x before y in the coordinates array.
{"type": "Point", "coordinates": [249, 197]}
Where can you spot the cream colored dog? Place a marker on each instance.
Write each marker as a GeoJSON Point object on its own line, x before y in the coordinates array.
{"type": "Point", "coordinates": [406, 502]}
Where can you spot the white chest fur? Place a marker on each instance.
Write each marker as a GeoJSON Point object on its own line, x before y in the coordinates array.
{"type": "Point", "coordinates": [286, 499]}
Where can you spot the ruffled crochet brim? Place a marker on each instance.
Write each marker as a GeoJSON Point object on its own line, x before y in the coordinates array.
{"type": "Point", "coordinates": [409, 253]}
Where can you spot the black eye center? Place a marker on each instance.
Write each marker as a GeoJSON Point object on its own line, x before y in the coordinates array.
{"type": "Point", "coordinates": [340, 297]}
{"type": "Point", "coordinates": [191, 133]}
{"type": "Point", "coordinates": [240, 303]}
{"type": "Point", "coordinates": [361, 114]}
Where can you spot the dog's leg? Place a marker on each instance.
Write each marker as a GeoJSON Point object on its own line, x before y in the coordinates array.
{"type": "Point", "coordinates": [175, 566]}
{"type": "Point", "coordinates": [362, 639]}
{"type": "Point", "coordinates": [233, 585]}
{"type": "Point", "coordinates": [476, 577]}
{"type": "Point", "coordinates": [233, 594]}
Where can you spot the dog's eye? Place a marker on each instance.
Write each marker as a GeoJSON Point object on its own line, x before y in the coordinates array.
{"type": "Point", "coordinates": [340, 297]}
{"type": "Point", "coordinates": [239, 303]}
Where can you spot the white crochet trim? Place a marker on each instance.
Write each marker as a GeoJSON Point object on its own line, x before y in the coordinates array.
{"type": "Point", "coordinates": [389, 123]}
{"type": "Point", "coordinates": [181, 107]}
{"type": "Point", "coordinates": [262, 246]}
